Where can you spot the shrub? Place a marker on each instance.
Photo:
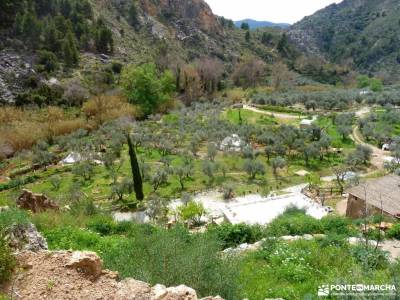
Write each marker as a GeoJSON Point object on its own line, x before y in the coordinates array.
{"type": "Point", "coordinates": [47, 62]}
{"type": "Point", "coordinates": [369, 257]}
{"type": "Point", "coordinates": [337, 225]}
{"type": "Point", "coordinates": [7, 261]}
{"type": "Point", "coordinates": [294, 223]}
{"type": "Point", "coordinates": [394, 232]}
{"type": "Point", "coordinates": [102, 225]}
{"type": "Point", "coordinates": [234, 235]}
{"type": "Point", "coordinates": [192, 211]}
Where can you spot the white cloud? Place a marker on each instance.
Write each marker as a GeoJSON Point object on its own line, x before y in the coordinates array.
{"type": "Point", "coordinates": [288, 11]}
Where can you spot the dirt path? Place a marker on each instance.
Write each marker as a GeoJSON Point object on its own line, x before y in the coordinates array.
{"type": "Point", "coordinates": [378, 155]}
{"type": "Point", "coordinates": [275, 114]}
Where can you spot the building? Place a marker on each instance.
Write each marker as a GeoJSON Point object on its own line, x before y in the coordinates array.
{"type": "Point", "coordinates": [382, 194]}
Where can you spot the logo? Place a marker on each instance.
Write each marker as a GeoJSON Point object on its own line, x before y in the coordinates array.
{"type": "Point", "coordinates": [371, 290]}
{"type": "Point", "coordinates": [323, 290]}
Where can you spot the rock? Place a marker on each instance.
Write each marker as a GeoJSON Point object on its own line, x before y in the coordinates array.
{"type": "Point", "coordinates": [25, 237]}
{"type": "Point", "coordinates": [86, 262]}
{"type": "Point", "coordinates": [35, 202]}
{"type": "Point", "coordinates": [4, 208]}
{"type": "Point", "coordinates": [213, 298]}
{"type": "Point", "coordinates": [159, 292]}
{"type": "Point", "coordinates": [319, 236]}
{"type": "Point", "coordinates": [357, 240]}
{"type": "Point", "coordinates": [181, 292]}
{"type": "Point", "coordinates": [290, 238]}
{"type": "Point", "coordinates": [133, 289]}
{"type": "Point", "coordinates": [308, 237]}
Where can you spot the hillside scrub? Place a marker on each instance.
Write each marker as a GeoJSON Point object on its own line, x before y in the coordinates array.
{"type": "Point", "coordinates": [155, 255]}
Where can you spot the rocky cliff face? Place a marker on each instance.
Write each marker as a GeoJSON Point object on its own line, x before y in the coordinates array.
{"type": "Point", "coordinates": [190, 12]}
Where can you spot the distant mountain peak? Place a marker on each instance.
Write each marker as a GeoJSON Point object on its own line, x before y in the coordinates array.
{"type": "Point", "coordinates": [254, 24]}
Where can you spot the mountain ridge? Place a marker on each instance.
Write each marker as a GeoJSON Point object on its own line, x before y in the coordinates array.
{"type": "Point", "coordinates": [363, 34]}
{"type": "Point", "coordinates": [254, 24]}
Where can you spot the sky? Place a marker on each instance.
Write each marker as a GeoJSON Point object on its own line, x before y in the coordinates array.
{"type": "Point", "coordinates": [278, 11]}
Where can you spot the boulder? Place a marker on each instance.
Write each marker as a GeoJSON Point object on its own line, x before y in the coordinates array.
{"type": "Point", "coordinates": [35, 202]}
{"type": "Point", "coordinates": [133, 289]}
{"type": "Point", "coordinates": [25, 237]}
{"type": "Point", "coordinates": [181, 292]}
{"type": "Point", "coordinates": [86, 262]}
{"type": "Point", "coordinates": [308, 237]}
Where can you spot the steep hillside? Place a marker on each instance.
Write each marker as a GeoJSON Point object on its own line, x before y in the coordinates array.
{"type": "Point", "coordinates": [82, 39]}
{"type": "Point", "coordinates": [364, 34]}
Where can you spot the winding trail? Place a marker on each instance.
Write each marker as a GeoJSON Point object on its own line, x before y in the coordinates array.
{"type": "Point", "coordinates": [275, 114]}
{"type": "Point", "coordinates": [378, 155]}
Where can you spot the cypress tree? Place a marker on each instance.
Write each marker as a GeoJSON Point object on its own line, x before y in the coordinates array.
{"type": "Point", "coordinates": [137, 177]}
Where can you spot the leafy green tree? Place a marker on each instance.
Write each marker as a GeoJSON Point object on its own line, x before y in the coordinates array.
{"type": "Point", "coordinates": [192, 211]}
{"type": "Point", "coordinates": [376, 85]}
{"type": "Point", "coordinates": [253, 168]}
{"type": "Point", "coordinates": [277, 163]}
{"type": "Point", "coordinates": [119, 189]}
{"type": "Point", "coordinates": [41, 155]}
{"type": "Point", "coordinates": [209, 168]}
{"type": "Point", "coordinates": [84, 169]}
{"type": "Point", "coordinates": [147, 88]}
{"type": "Point", "coordinates": [363, 81]}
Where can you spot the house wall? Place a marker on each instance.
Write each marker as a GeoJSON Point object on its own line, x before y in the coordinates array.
{"type": "Point", "coordinates": [356, 208]}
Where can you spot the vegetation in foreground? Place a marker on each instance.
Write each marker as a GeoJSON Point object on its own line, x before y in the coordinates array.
{"type": "Point", "coordinates": [176, 256]}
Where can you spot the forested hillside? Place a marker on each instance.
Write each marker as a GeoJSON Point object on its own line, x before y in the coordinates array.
{"type": "Point", "coordinates": [363, 34]}
{"type": "Point", "coordinates": [91, 40]}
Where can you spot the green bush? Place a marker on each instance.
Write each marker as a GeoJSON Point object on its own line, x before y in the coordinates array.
{"type": "Point", "coordinates": [7, 261]}
{"type": "Point", "coordinates": [369, 257]}
{"type": "Point", "coordinates": [294, 223]}
{"type": "Point", "coordinates": [102, 225]}
{"type": "Point", "coordinates": [394, 232]}
{"type": "Point", "coordinates": [337, 225]}
{"type": "Point", "coordinates": [234, 235]}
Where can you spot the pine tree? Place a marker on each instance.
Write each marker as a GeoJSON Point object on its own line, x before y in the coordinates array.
{"type": "Point", "coordinates": [31, 29]}
{"type": "Point", "coordinates": [104, 38]}
{"type": "Point", "coordinates": [133, 15]}
{"type": "Point", "coordinates": [245, 26]}
{"type": "Point", "coordinates": [51, 36]}
{"type": "Point", "coordinates": [137, 177]}
{"type": "Point", "coordinates": [70, 51]}
{"type": "Point", "coordinates": [248, 36]}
